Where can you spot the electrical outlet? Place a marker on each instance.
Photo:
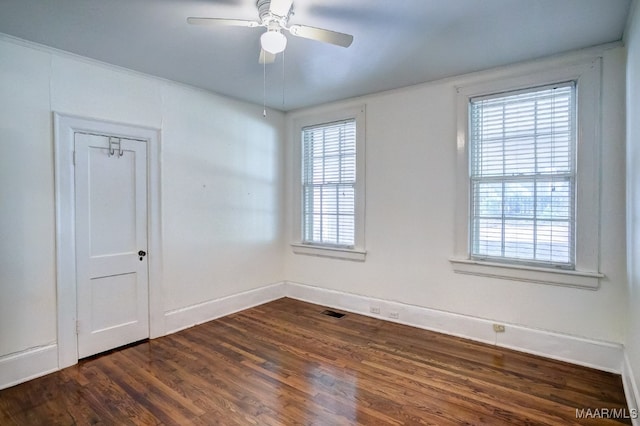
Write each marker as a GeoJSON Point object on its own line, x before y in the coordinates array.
{"type": "Point", "coordinates": [374, 310]}
{"type": "Point", "coordinates": [394, 315]}
{"type": "Point", "coordinates": [498, 328]}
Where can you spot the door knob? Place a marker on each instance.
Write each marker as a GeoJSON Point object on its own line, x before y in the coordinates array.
{"type": "Point", "coordinates": [142, 254]}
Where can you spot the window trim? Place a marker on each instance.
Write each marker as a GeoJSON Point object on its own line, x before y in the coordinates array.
{"type": "Point", "coordinates": [587, 76]}
{"type": "Point", "coordinates": [357, 252]}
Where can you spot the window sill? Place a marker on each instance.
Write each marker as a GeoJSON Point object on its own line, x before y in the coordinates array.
{"type": "Point", "coordinates": [560, 277]}
{"type": "Point", "coordinates": [332, 252]}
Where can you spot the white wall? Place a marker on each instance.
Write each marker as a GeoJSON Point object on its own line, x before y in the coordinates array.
{"type": "Point", "coordinates": [222, 197]}
{"type": "Point", "coordinates": [410, 216]}
{"type": "Point", "coordinates": [632, 38]}
{"type": "Point", "coordinates": [221, 186]}
{"type": "Point", "coordinates": [27, 244]}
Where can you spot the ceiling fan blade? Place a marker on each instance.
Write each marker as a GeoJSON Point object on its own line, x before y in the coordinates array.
{"type": "Point", "coordinates": [280, 7]}
{"type": "Point", "coordinates": [266, 57]}
{"type": "Point", "coordinates": [333, 37]}
{"type": "Point", "coordinates": [223, 22]}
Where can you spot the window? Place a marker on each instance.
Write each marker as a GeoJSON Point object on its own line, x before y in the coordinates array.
{"type": "Point", "coordinates": [528, 192]}
{"type": "Point", "coordinates": [328, 184]}
{"type": "Point", "coordinates": [329, 169]}
{"type": "Point", "coordinates": [522, 176]}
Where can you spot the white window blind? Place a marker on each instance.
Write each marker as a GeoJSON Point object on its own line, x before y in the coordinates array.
{"type": "Point", "coordinates": [522, 176]}
{"type": "Point", "coordinates": [328, 183]}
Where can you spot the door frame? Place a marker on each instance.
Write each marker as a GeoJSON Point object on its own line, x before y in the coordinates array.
{"type": "Point", "coordinates": [65, 126]}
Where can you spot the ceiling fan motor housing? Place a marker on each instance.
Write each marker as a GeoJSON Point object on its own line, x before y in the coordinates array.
{"type": "Point", "coordinates": [267, 17]}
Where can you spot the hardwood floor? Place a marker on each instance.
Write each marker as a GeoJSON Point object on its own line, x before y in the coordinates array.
{"type": "Point", "coordinates": [284, 363]}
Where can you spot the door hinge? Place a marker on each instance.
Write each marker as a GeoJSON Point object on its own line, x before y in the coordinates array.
{"type": "Point", "coordinates": [74, 158]}
{"type": "Point", "coordinates": [77, 327]}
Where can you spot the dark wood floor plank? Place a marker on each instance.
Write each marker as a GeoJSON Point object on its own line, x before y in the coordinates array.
{"type": "Point", "coordinates": [232, 381]}
{"type": "Point", "coordinates": [355, 365]}
{"type": "Point", "coordinates": [283, 363]}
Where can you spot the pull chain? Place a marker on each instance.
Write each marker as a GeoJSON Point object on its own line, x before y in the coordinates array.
{"type": "Point", "coordinates": [264, 88]}
{"type": "Point", "coordinates": [283, 78]}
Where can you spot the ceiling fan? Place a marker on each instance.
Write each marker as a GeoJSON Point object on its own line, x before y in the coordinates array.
{"type": "Point", "coordinates": [274, 16]}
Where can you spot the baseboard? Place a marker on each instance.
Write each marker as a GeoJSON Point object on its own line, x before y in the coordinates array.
{"type": "Point", "coordinates": [631, 389]}
{"type": "Point", "coordinates": [576, 350]}
{"type": "Point", "coordinates": [186, 317]}
{"type": "Point", "coordinates": [29, 364]}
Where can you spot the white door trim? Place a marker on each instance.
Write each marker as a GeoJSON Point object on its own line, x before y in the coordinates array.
{"type": "Point", "coordinates": [64, 128]}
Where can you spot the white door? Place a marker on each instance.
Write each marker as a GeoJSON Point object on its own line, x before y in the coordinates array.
{"type": "Point", "coordinates": [111, 242]}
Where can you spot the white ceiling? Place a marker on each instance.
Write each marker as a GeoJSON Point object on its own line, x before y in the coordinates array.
{"type": "Point", "coordinates": [396, 43]}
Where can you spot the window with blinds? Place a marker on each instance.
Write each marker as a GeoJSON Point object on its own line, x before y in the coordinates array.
{"type": "Point", "coordinates": [328, 184]}
{"type": "Point", "coordinates": [522, 176]}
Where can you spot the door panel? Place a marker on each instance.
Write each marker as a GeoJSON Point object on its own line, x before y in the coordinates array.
{"type": "Point", "coordinates": [111, 228]}
{"type": "Point", "coordinates": [106, 294]}
{"type": "Point", "coordinates": [112, 209]}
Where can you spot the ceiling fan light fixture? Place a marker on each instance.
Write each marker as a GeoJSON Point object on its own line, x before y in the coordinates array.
{"type": "Point", "coordinates": [273, 41]}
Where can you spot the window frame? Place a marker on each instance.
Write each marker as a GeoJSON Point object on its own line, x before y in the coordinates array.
{"type": "Point", "coordinates": [585, 273]}
{"type": "Point", "coordinates": [299, 246]}
{"type": "Point", "coordinates": [568, 176]}
{"type": "Point", "coordinates": [344, 179]}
